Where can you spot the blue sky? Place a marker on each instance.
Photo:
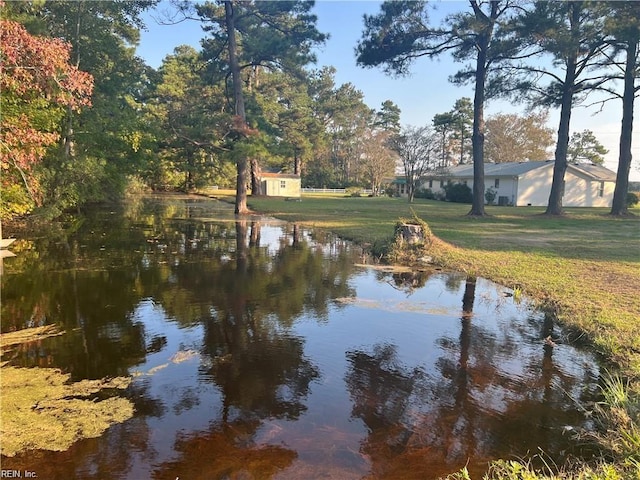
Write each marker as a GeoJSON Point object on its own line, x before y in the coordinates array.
{"type": "Point", "coordinates": [420, 96]}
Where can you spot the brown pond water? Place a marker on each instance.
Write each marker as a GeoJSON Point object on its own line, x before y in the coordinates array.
{"type": "Point", "coordinates": [262, 351]}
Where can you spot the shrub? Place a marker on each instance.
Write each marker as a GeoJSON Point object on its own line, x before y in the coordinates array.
{"type": "Point", "coordinates": [426, 193]}
{"type": "Point", "coordinates": [633, 198]}
{"type": "Point", "coordinates": [490, 195]}
{"type": "Point", "coordinates": [354, 191]}
{"type": "Point", "coordinates": [15, 201]}
{"type": "Point", "coordinates": [458, 193]}
{"type": "Point", "coordinates": [136, 185]}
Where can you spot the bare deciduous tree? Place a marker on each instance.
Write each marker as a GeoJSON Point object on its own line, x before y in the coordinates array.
{"type": "Point", "coordinates": [416, 147]}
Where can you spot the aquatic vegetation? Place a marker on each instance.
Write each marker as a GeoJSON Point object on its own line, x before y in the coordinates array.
{"type": "Point", "coordinates": [11, 339]}
{"type": "Point", "coordinates": [42, 410]}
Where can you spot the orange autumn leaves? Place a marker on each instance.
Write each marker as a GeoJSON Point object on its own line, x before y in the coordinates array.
{"type": "Point", "coordinates": [37, 85]}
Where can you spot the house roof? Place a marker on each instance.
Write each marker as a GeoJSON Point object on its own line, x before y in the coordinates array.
{"type": "Point", "coordinates": [507, 169]}
{"type": "Point", "coordinates": [597, 172]}
{"type": "Point", "coordinates": [515, 169]}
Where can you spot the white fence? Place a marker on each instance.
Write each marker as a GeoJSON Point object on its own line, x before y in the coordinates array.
{"type": "Point", "coordinates": [364, 191]}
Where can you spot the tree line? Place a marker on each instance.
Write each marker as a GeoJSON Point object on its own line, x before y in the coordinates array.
{"type": "Point", "coordinates": [84, 118]}
{"type": "Point", "coordinates": [188, 123]}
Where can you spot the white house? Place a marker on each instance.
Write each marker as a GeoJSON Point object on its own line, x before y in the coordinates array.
{"type": "Point", "coordinates": [529, 183]}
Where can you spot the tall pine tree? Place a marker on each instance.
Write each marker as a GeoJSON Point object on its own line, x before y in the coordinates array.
{"type": "Point", "coordinates": [401, 33]}
{"type": "Point", "coordinates": [246, 35]}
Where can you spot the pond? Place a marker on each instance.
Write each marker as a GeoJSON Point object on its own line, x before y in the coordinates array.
{"type": "Point", "coordinates": [261, 350]}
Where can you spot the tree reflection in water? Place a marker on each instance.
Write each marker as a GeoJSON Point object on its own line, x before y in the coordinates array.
{"type": "Point", "coordinates": [281, 380]}
{"type": "Point", "coordinates": [225, 451]}
{"type": "Point", "coordinates": [474, 404]}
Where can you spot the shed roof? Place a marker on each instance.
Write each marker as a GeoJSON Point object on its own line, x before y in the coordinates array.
{"type": "Point", "coordinates": [279, 175]}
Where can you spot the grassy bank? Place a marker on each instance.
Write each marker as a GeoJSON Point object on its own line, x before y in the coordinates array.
{"type": "Point", "coordinates": [586, 266]}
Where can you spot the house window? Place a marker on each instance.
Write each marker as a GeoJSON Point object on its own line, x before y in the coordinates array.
{"type": "Point", "coordinates": [464, 182]}
{"type": "Point", "coordinates": [496, 183]}
{"type": "Point", "coordinates": [283, 184]}
{"type": "Point", "coordinates": [430, 183]}
{"type": "Point", "coordinates": [441, 183]}
{"type": "Point", "coordinates": [601, 190]}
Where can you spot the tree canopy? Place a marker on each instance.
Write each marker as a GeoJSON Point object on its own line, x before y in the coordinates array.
{"type": "Point", "coordinates": [247, 35]}
{"type": "Point", "coordinates": [585, 147]}
{"type": "Point", "coordinates": [38, 82]}
{"type": "Point", "coordinates": [416, 148]}
{"type": "Point", "coordinates": [572, 35]}
{"type": "Point", "coordinates": [518, 138]}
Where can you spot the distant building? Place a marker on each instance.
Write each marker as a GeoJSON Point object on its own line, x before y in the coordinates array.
{"type": "Point", "coordinates": [529, 183]}
{"type": "Point", "coordinates": [281, 185]}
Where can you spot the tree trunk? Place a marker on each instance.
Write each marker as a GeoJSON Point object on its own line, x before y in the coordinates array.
{"type": "Point", "coordinates": [241, 161]}
{"type": "Point", "coordinates": [477, 138]}
{"type": "Point", "coordinates": [410, 189]}
{"type": "Point", "coordinates": [554, 207]}
{"type": "Point", "coordinates": [242, 253]}
{"type": "Point", "coordinates": [256, 184]}
{"type": "Point", "coordinates": [461, 393]}
{"type": "Point", "coordinates": [254, 164]}
{"type": "Point", "coordinates": [67, 136]}
{"type": "Point", "coordinates": [412, 234]}
{"type": "Point", "coordinates": [188, 180]}
{"type": "Point", "coordinates": [254, 235]}
{"type": "Point", "coordinates": [619, 204]}
{"type": "Point", "coordinates": [469, 297]}
{"type": "Point", "coordinates": [297, 162]}
{"type": "Point", "coordinates": [443, 162]}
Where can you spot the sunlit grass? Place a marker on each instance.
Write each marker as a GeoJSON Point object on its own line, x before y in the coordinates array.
{"type": "Point", "coordinates": [619, 415]}
{"type": "Point", "coordinates": [581, 232]}
{"type": "Point", "coordinates": [513, 470]}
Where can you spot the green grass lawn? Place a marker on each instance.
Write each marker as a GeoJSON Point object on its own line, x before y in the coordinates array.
{"type": "Point", "coordinates": [585, 265]}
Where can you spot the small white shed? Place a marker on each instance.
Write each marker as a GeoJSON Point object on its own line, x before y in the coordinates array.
{"type": "Point", "coordinates": [281, 185]}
